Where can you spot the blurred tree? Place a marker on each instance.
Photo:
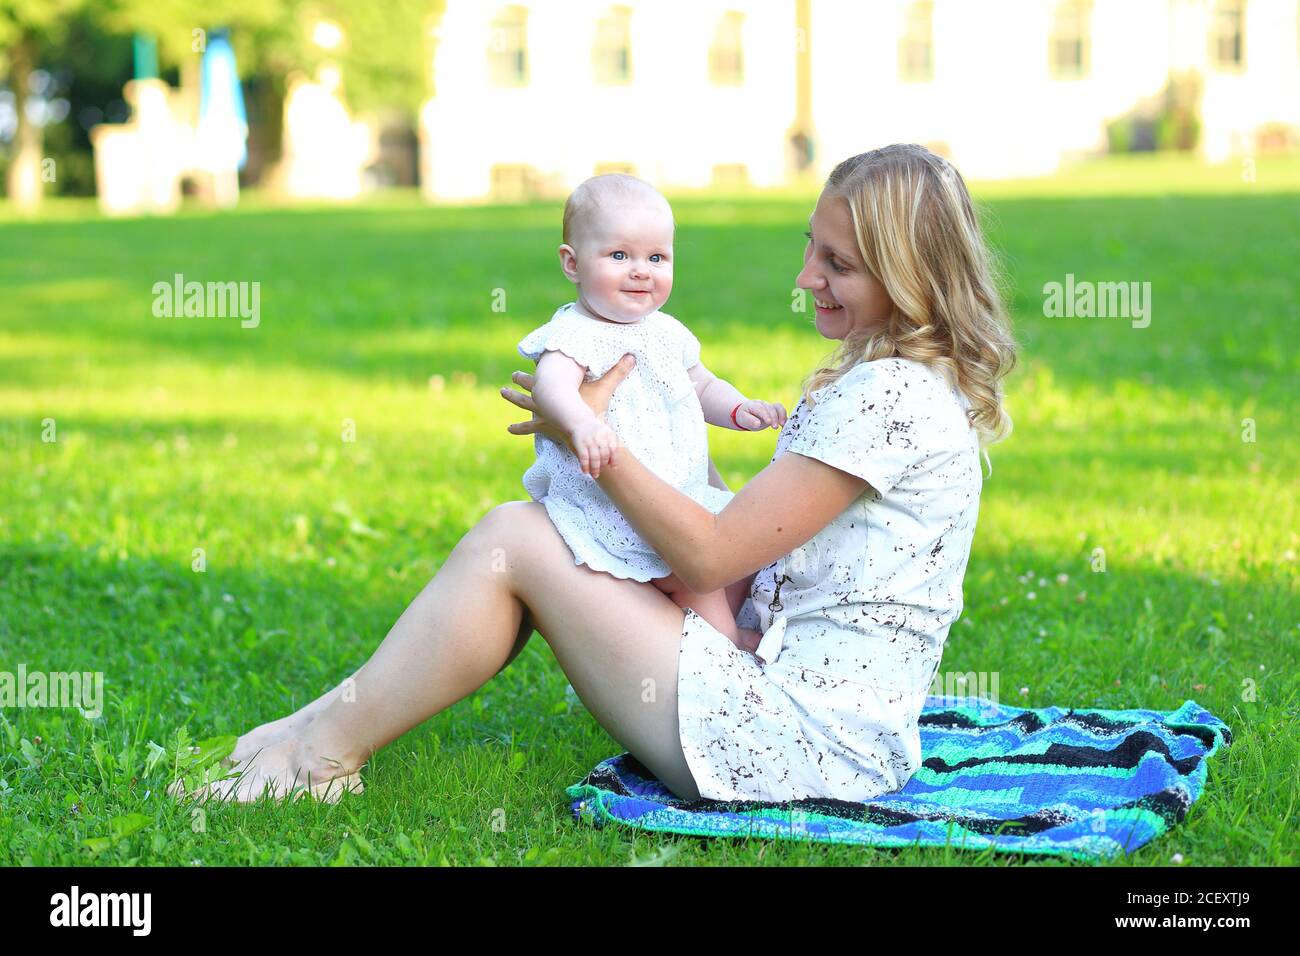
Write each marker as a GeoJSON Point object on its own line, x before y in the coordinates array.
{"type": "Point", "coordinates": [386, 52]}
{"type": "Point", "coordinates": [27, 29]}
{"type": "Point", "coordinates": [382, 49]}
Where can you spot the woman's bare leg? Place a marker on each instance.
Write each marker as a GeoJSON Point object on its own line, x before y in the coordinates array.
{"type": "Point", "coordinates": [276, 730]}
{"type": "Point", "coordinates": [616, 640]}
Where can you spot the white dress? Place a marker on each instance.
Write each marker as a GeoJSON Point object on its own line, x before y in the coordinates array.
{"type": "Point", "coordinates": [829, 706]}
{"type": "Point", "coordinates": [657, 417]}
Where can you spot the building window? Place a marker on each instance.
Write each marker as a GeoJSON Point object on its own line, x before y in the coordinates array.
{"type": "Point", "coordinates": [916, 48]}
{"type": "Point", "coordinates": [1068, 46]}
{"type": "Point", "coordinates": [508, 48]}
{"type": "Point", "coordinates": [611, 56]}
{"type": "Point", "coordinates": [1227, 39]}
{"type": "Point", "coordinates": [727, 53]}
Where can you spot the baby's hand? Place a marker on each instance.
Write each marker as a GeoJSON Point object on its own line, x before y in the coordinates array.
{"type": "Point", "coordinates": [753, 415]}
{"type": "Point", "coordinates": [594, 444]}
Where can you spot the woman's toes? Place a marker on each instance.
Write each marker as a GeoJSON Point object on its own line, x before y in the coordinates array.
{"type": "Point", "coordinates": [333, 790]}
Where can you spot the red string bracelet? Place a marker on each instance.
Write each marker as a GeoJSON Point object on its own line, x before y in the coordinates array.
{"type": "Point", "coordinates": [733, 418]}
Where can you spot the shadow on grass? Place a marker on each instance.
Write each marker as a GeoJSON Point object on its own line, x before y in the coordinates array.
{"type": "Point", "coordinates": [224, 651]}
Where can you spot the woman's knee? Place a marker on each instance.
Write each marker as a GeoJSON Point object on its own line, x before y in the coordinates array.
{"type": "Point", "coordinates": [508, 534]}
{"type": "Point", "coordinates": [499, 525]}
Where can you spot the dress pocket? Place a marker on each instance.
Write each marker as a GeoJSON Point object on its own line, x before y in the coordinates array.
{"type": "Point", "coordinates": [803, 565]}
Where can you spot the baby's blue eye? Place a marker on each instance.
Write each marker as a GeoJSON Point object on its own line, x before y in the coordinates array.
{"type": "Point", "coordinates": [619, 255]}
{"type": "Point", "coordinates": [656, 258]}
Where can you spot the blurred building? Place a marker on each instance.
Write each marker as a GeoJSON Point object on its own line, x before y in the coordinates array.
{"type": "Point", "coordinates": [530, 98]}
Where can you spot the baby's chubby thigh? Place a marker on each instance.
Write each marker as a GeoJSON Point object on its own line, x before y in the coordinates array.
{"type": "Point", "coordinates": [670, 584]}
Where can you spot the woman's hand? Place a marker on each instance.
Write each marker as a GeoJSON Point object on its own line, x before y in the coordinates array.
{"type": "Point", "coordinates": [596, 394]}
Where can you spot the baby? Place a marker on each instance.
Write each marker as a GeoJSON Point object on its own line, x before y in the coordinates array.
{"type": "Point", "coordinates": [618, 251]}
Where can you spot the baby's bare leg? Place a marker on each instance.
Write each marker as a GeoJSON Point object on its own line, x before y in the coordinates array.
{"type": "Point", "coordinates": [714, 606]}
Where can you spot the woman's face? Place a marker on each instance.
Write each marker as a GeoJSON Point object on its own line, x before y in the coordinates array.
{"type": "Point", "coordinates": [846, 294]}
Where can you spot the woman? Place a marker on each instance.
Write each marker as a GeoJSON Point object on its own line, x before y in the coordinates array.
{"type": "Point", "coordinates": [848, 550]}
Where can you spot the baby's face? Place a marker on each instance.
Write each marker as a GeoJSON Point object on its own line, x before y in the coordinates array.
{"type": "Point", "coordinates": [623, 261]}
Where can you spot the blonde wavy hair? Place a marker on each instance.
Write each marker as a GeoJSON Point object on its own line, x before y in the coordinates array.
{"type": "Point", "coordinates": [919, 236]}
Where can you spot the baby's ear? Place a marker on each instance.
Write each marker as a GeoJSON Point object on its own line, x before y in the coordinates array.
{"type": "Point", "coordinates": [569, 262]}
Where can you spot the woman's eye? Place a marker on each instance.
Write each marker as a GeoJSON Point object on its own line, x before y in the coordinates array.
{"type": "Point", "coordinates": [836, 266]}
{"type": "Point", "coordinates": [809, 235]}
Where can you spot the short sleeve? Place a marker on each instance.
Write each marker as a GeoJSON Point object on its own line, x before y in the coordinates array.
{"type": "Point", "coordinates": [681, 339]}
{"type": "Point", "coordinates": [581, 344]}
{"type": "Point", "coordinates": [869, 423]}
{"type": "Point", "coordinates": [690, 348]}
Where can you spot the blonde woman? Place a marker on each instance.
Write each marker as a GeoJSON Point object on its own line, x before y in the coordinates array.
{"type": "Point", "coordinates": [846, 552]}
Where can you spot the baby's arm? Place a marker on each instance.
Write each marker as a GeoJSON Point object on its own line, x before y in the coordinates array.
{"type": "Point", "coordinates": [718, 397]}
{"type": "Point", "coordinates": [556, 394]}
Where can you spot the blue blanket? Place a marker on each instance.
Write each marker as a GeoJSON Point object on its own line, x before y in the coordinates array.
{"type": "Point", "coordinates": [1087, 784]}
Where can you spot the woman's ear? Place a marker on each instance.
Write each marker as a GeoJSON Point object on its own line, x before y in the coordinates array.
{"type": "Point", "coordinates": [569, 262]}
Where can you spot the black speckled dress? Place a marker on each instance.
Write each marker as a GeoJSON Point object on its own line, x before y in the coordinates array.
{"type": "Point", "coordinates": [828, 707]}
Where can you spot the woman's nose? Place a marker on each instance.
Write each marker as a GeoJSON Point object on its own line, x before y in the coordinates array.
{"type": "Point", "coordinates": [809, 278]}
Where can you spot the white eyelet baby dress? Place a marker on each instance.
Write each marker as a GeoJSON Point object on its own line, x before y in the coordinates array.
{"type": "Point", "coordinates": [855, 620]}
{"type": "Point", "coordinates": [657, 417]}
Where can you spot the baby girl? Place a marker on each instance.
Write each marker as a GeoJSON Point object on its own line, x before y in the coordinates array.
{"type": "Point", "coordinates": [618, 251]}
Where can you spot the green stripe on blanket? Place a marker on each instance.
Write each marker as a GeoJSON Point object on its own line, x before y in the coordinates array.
{"type": "Point", "coordinates": [1089, 784]}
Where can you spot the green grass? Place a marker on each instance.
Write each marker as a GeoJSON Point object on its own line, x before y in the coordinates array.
{"type": "Point", "coordinates": [176, 434]}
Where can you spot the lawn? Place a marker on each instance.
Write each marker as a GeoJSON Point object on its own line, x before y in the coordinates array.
{"type": "Point", "coordinates": [1170, 448]}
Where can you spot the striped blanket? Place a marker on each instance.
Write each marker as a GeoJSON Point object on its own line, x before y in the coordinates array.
{"type": "Point", "coordinates": [1089, 784]}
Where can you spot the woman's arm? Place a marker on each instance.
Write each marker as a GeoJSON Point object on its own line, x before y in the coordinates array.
{"type": "Point", "coordinates": [781, 508]}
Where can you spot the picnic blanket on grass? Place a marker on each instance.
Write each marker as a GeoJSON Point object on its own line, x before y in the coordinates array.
{"type": "Point", "coordinates": [1088, 784]}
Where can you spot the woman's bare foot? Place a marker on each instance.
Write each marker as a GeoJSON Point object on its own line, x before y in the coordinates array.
{"type": "Point", "coordinates": [288, 768]}
{"type": "Point", "coordinates": [272, 732]}
{"type": "Point", "coordinates": [275, 731]}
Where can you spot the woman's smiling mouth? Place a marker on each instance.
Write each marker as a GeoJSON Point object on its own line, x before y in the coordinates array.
{"type": "Point", "coordinates": [827, 306]}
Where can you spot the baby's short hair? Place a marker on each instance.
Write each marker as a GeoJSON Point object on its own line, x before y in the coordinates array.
{"type": "Point", "coordinates": [592, 194]}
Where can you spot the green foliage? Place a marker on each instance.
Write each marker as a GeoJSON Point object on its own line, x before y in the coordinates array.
{"type": "Point", "coordinates": [385, 58]}
{"type": "Point", "coordinates": [41, 20]}
{"type": "Point", "coordinates": [176, 434]}
{"type": "Point", "coordinates": [173, 22]}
